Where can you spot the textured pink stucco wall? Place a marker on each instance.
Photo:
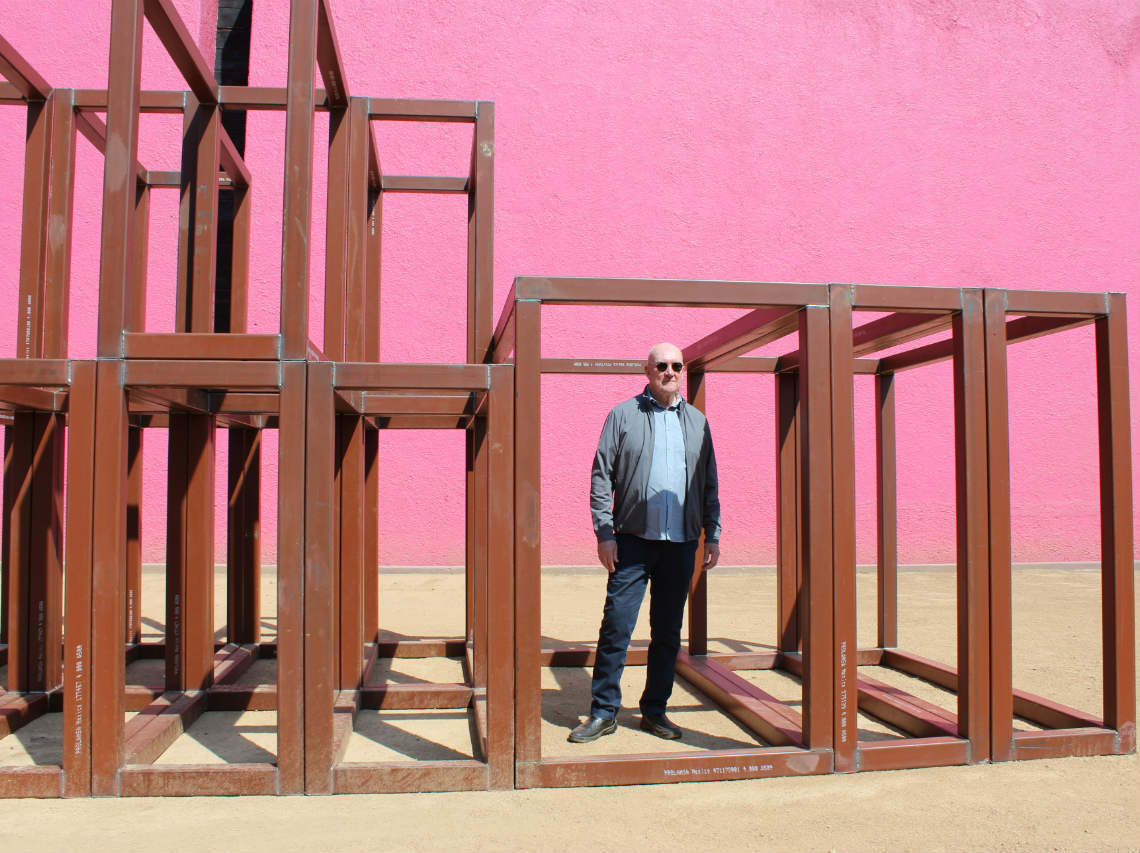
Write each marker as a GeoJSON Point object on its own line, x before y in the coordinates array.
{"type": "Point", "coordinates": [929, 142]}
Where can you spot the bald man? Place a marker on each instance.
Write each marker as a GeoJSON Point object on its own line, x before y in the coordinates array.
{"type": "Point", "coordinates": [652, 491]}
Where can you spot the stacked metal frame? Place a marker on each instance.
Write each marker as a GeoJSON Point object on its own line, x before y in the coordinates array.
{"type": "Point", "coordinates": [815, 463]}
{"type": "Point", "coordinates": [198, 378]}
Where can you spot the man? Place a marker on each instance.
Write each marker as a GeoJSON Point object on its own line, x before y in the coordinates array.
{"type": "Point", "coordinates": [652, 490]}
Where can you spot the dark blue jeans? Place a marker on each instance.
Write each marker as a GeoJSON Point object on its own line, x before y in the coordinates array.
{"type": "Point", "coordinates": [667, 567]}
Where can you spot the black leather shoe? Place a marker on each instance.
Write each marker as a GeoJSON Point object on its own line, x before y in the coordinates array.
{"type": "Point", "coordinates": [660, 726]}
{"type": "Point", "coordinates": [593, 729]}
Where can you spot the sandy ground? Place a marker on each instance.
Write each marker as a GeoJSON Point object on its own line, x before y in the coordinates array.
{"type": "Point", "coordinates": [1064, 804]}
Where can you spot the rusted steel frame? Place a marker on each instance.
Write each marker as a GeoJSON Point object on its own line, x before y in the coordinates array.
{"type": "Point", "coordinates": [913, 752]}
{"type": "Point", "coordinates": [242, 697]}
{"type": "Point", "coordinates": [19, 72]}
{"type": "Point", "coordinates": [17, 709]}
{"type": "Point", "coordinates": [478, 722]}
{"type": "Point", "coordinates": [108, 547]}
{"type": "Point", "coordinates": [81, 449]}
{"type": "Point", "coordinates": [1057, 302]}
{"type": "Point", "coordinates": [270, 98]}
{"type": "Point", "coordinates": [405, 777]}
{"type": "Point", "coordinates": [11, 95]}
{"type": "Point", "coordinates": [425, 184]}
{"type": "Point", "coordinates": [19, 441]}
{"type": "Point", "coordinates": [929, 670]}
{"type": "Point", "coordinates": [319, 669]}
{"type": "Point", "coordinates": [789, 542]}
{"type": "Point", "coordinates": [475, 517]}
{"type": "Point", "coordinates": [698, 606]}
{"type": "Point", "coordinates": [593, 365]}
{"type": "Point", "coordinates": [243, 539]}
{"type": "Point", "coordinates": [480, 231]}
{"type": "Point", "coordinates": [192, 780]}
{"type": "Point", "coordinates": [163, 179]}
{"type": "Point", "coordinates": [528, 532]}
{"type": "Point", "coordinates": [412, 377]}
{"type": "Point", "coordinates": [403, 697]}
{"type": "Point", "coordinates": [116, 247]}
{"type": "Point", "coordinates": [423, 422]}
{"type": "Point", "coordinates": [328, 57]}
{"type": "Point", "coordinates": [1051, 715]}
{"type": "Point", "coordinates": [350, 551]}
{"type": "Point", "coordinates": [297, 210]}
{"type": "Point", "coordinates": [883, 297]}
{"type": "Point", "coordinates": [820, 687]}
{"type": "Point", "coordinates": [1117, 615]}
{"type": "Point", "coordinates": [745, 660]}
{"type": "Point", "coordinates": [189, 553]}
{"type": "Point", "coordinates": [231, 161]}
{"type": "Point", "coordinates": [337, 217]}
{"type": "Point", "coordinates": [846, 732]}
{"type": "Point", "coordinates": [675, 767]}
{"type": "Point", "coordinates": [149, 734]}
{"type": "Point", "coordinates": [91, 101]}
{"type": "Point", "coordinates": [171, 401]}
{"type": "Point", "coordinates": [1027, 328]}
{"type": "Point", "coordinates": [357, 236]}
{"type": "Point", "coordinates": [750, 706]}
{"type": "Point", "coordinates": [344, 716]}
{"type": "Point", "coordinates": [972, 502]}
{"type": "Point", "coordinates": [636, 655]}
{"type": "Point", "coordinates": [1066, 742]}
{"type": "Point", "coordinates": [886, 513]}
{"type": "Point", "coordinates": [669, 292]}
{"type": "Point", "coordinates": [746, 364]}
{"type": "Point", "coordinates": [419, 109]}
{"type": "Point", "coordinates": [915, 716]}
{"type": "Point", "coordinates": [247, 375]}
{"type": "Point", "coordinates": [18, 398]}
{"type": "Point", "coordinates": [746, 333]}
{"type": "Point", "coordinates": [180, 45]}
{"type": "Point", "coordinates": [503, 338]}
{"type": "Point", "coordinates": [25, 782]}
{"type": "Point", "coordinates": [999, 524]}
{"type": "Point", "coordinates": [57, 260]}
{"type": "Point", "coordinates": [232, 660]}
{"type": "Point", "coordinates": [435, 648]}
{"type": "Point", "coordinates": [917, 357]}
{"type": "Point", "coordinates": [34, 230]}
{"type": "Point", "coordinates": [93, 129]}
{"type": "Point", "coordinates": [198, 214]}
{"type": "Point", "coordinates": [371, 542]}
{"type": "Point", "coordinates": [291, 586]}
{"type": "Point", "coordinates": [419, 404]}
{"type": "Point", "coordinates": [499, 536]}
{"type": "Point", "coordinates": [44, 556]}
{"type": "Point", "coordinates": [39, 371]}
{"type": "Point", "coordinates": [134, 311]}
{"type": "Point", "coordinates": [239, 260]}
{"type": "Point", "coordinates": [895, 329]}
{"type": "Point", "coordinates": [191, 345]}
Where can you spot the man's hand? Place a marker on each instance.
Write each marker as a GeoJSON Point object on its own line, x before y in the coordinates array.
{"type": "Point", "coordinates": [607, 554]}
{"type": "Point", "coordinates": [712, 555]}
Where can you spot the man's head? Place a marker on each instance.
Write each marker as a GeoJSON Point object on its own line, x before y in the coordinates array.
{"type": "Point", "coordinates": [663, 369]}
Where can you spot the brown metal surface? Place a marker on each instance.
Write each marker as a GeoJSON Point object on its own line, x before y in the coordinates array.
{"type": "Point", "coordinates": [886, 503]}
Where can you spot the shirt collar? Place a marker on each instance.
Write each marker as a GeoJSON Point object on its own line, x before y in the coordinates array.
{"type": "Point", "coordinates": [653, 401]}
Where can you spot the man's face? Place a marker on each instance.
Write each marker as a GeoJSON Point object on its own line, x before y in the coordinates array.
{"type": "Point", "coordinates": [664, 384]}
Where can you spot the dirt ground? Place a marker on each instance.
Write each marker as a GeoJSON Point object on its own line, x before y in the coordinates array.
{"type": "Point", "coordinates": [1061, 804]}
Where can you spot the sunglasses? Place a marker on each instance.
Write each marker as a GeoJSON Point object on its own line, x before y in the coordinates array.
{"type": "Point", "coordinates": [676, 365]}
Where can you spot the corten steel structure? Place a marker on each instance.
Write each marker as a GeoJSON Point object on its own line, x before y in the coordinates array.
{"type": "Point", "coordinates": [325, 403]}
{"type": "Point", "coordinates": [72, 611]}
{"type": "Point", "coordinates": [799, 743]}
{"type": "Point", "coordinates": [816, 533]}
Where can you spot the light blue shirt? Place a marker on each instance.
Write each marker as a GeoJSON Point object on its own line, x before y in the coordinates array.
{"type": "Point", "coordinates": [665, 492]}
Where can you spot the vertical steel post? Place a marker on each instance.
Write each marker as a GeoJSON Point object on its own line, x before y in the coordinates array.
{"type": "Point", "coordinates": [698, 587]}
{"type": "Point", "coordinates": [886, 513]}
{"type": "Point", "coordinates": [789, 637]}
{"type": "Point", "coordinates": [1000, 556]}
{"type": "Point", "coordinates": [1117, 615]}
{"type": "Point", "coordinates": [972, 517]}
{"type": "Point", "coordinates": [846, 730]}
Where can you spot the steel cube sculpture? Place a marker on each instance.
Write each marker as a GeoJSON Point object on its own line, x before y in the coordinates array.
{"type": "Point", "coordinates": [72, 612]}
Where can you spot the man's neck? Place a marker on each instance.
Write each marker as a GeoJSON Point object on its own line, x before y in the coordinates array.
{"type": "Point", "coordinates": [667, 402]}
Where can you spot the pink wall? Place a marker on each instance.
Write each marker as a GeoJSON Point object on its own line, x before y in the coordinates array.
{"type": "Point", "coordinates": [929, 142]}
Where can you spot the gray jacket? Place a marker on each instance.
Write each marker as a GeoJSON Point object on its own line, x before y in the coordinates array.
{"type": "Point", "coordinates": [621, 472]}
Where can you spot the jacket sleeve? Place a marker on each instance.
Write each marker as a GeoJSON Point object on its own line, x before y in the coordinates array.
{"type": "Point", "coordinates": [710, 516]}
{"type": "Point", "coordinates": [601, 480]}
